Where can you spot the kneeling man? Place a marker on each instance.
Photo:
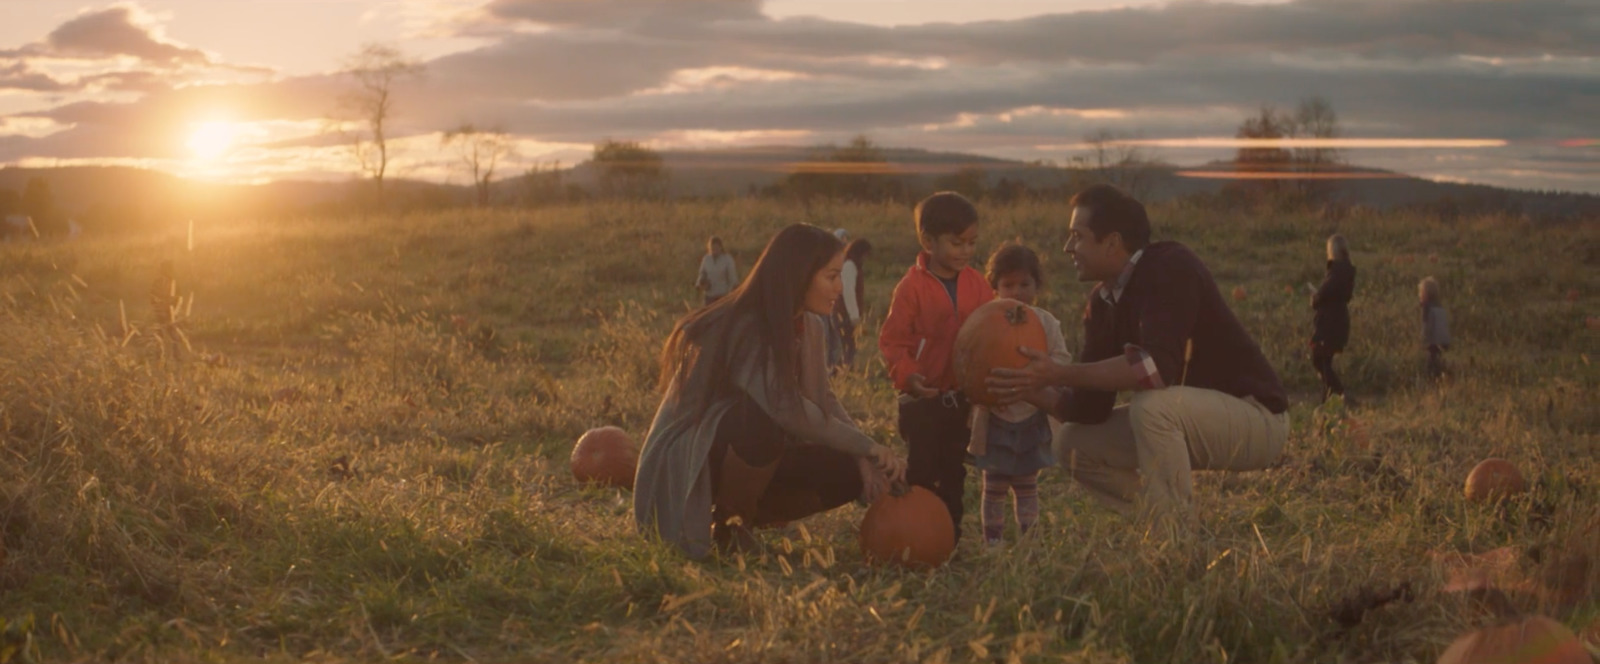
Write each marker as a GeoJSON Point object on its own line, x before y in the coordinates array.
{"type": "Point", "coordinates": [1205, 397]}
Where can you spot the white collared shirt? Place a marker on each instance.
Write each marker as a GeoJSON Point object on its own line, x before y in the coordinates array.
{"type": "Point", "coordinates": [1114, 293]}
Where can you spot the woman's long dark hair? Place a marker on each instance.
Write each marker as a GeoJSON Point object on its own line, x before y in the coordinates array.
{"type": "Point", "coordinates": [767, 300]}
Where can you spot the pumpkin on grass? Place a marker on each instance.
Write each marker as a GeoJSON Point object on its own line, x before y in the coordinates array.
{"type": "Point", "coordinates": [909, 527]}
{"type": "Point", "coordinates": [1494, 479]}
{"type": "Point", "coordinates": [990, 339]}
{"type": "Point", "coordinates": [1531, 640]}
{"type": "Point", "coordinates": [606, 456]}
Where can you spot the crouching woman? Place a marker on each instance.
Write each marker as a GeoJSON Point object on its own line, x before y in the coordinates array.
{"type": "Point", "coordinates": [749, 433]}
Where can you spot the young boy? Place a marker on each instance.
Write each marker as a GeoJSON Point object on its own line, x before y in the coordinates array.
{"type": "Point", "coordinates": [918, 342]}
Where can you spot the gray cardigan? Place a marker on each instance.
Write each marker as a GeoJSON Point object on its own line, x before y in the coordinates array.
{"type": "Point", "coordinates": [672, 489]}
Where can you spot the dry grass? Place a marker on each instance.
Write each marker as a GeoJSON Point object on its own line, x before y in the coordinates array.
{"type": "Point", "coordinates": [362, 453]}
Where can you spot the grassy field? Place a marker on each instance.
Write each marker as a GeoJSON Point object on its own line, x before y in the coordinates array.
{"type": "Point", "coordinates": [358, 452]}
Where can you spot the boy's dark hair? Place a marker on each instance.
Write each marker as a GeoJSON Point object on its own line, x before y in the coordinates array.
{"type": "Point", "coordinates": [945, 213]}
{"type": "Point", "coordinates": [711, 242]}
{"type": "Point", "coordinates": [1010, 259]}
{"type": "Point", "coordinates": [1111, 211]}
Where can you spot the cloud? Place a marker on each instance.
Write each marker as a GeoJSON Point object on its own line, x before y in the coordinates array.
{"type": "Point", "coordinates": [118, 49]}
{"type": "Point", "coordinates": [119, 30]}
{"type": "Point", "coordinates": [617, 13]}
{"type": "Point", "coordinates": [19, 76]}
{"type": "Point", "coordinates": [1369, 28]}
{"type": "Point", "coordinates": [573, 71]}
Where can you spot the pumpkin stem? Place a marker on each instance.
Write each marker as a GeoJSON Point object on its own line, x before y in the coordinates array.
{"type": "Point", "coordinates": [1017, 315]}
{"type": "Point", "coordinates": [899, 488]}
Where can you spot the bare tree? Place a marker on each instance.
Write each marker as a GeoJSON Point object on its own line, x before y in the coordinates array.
{"type": "Point", "coordinates": [1267, 123]}
{"type": "Point", "coordinates": [1115, 160]}
{"type": "Point", "coordinates": [1312, 119]}
{"type": "Point", "coordinates": [480, 151]}
{"type": "Point", "coordinates": [1315, 119]}
{"type": "Point", "coordinates": [375, 70]}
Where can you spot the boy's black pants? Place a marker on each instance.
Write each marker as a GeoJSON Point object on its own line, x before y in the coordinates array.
{"type": "Point", "coordinates": [937, 433]}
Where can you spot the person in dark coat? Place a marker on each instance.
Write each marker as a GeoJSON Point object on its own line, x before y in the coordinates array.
{"type": "Point", "coordinates": [1331, 324]}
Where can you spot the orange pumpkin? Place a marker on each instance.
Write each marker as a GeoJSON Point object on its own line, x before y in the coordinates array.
{"type": "Point", "coordinates": [1535, 639]}
{"type": "Point", "coordinates": [908, 527]}
{"type": "Point", "coordinates": [1239, 294]}
{"type": "Point", "coordinates": [1572, 295]}
{"type": "Point", "coordinates": [605, 455]}
{"type": "Point", "coordinates": [1494, 479]}
{"type": "Point", "coordinates": [990, 339]}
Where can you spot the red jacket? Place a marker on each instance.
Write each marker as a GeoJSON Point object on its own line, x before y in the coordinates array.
{"type": "Point", "coordinates": [919, 335]}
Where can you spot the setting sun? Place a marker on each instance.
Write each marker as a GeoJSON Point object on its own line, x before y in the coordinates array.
{"type": "Point", "coordinates": [212, 139]}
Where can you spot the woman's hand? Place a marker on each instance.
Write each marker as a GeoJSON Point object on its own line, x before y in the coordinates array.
{"type": "Point", "coordinates": [880, 468]}
{"type": "Point", "coordinates": [873, 483]}
{"type": "Point", "coordinates": [891, 465]}
{"type": "Point", "coordinates": [1013, 385]}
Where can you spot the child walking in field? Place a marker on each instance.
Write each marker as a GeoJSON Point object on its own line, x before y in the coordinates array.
{"type": "Point", "coordinates": [1435, 325]}
{"type": "Point", "coordinates": [718, 275]}
{"type": "Point", "coordinates": [1331, 324]}
{"type": "Point", "coordinates": [918, 341]}
{"type": "Point", "coordinates": [1011, 443]}
{"type": "Point", "coordinates": [851, 305]}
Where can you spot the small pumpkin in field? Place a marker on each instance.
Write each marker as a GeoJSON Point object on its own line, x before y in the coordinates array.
{"type": "Point", "coordinates": [606, 456]}
{"type": "Point", "coordinates": [909, 527]}
{"type": "Point", "coordinates": [1239, 294]}
{"type": "Point", "coordinates": [990, 339]}
{"type": "Point", "coordinates": [1533, 639]}
{"type": "Point", "coordinates": [1572, 295]}
{"type": "Point", "coordinates": [1494, 479]}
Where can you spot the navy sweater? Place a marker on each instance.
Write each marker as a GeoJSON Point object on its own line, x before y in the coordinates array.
{"type": "Point", "coordinates": [1169, 300]}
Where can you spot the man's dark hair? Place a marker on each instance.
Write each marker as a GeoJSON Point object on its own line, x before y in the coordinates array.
{"type": "Point", "coordinates": [1013, 258]}
{"type": "Point", "coordinates": [945, 213]}
{"type": "Point", "coordinates": [1111, 211]}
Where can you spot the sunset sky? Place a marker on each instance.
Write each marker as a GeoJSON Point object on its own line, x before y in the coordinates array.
{"type": "Point", "coordinates": [243, 90]}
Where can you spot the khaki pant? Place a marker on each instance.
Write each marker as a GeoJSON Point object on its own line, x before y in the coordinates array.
{"type": "Point", "coordinates": [1161, 436]}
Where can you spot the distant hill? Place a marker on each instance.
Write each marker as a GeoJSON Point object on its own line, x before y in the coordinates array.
{"type": "Point", "coordinates": [121, 197]}
{"type": "Point", "coordinates": [740, 171]}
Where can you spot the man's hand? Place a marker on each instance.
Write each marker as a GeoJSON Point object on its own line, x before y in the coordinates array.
{"type": "Point", "coordinates": [1012, 385]}
{"type": "Point", "coordinates": [918, 387]}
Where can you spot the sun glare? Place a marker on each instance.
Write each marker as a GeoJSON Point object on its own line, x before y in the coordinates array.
{"type": "Point", "coordinates": [211, 139]}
